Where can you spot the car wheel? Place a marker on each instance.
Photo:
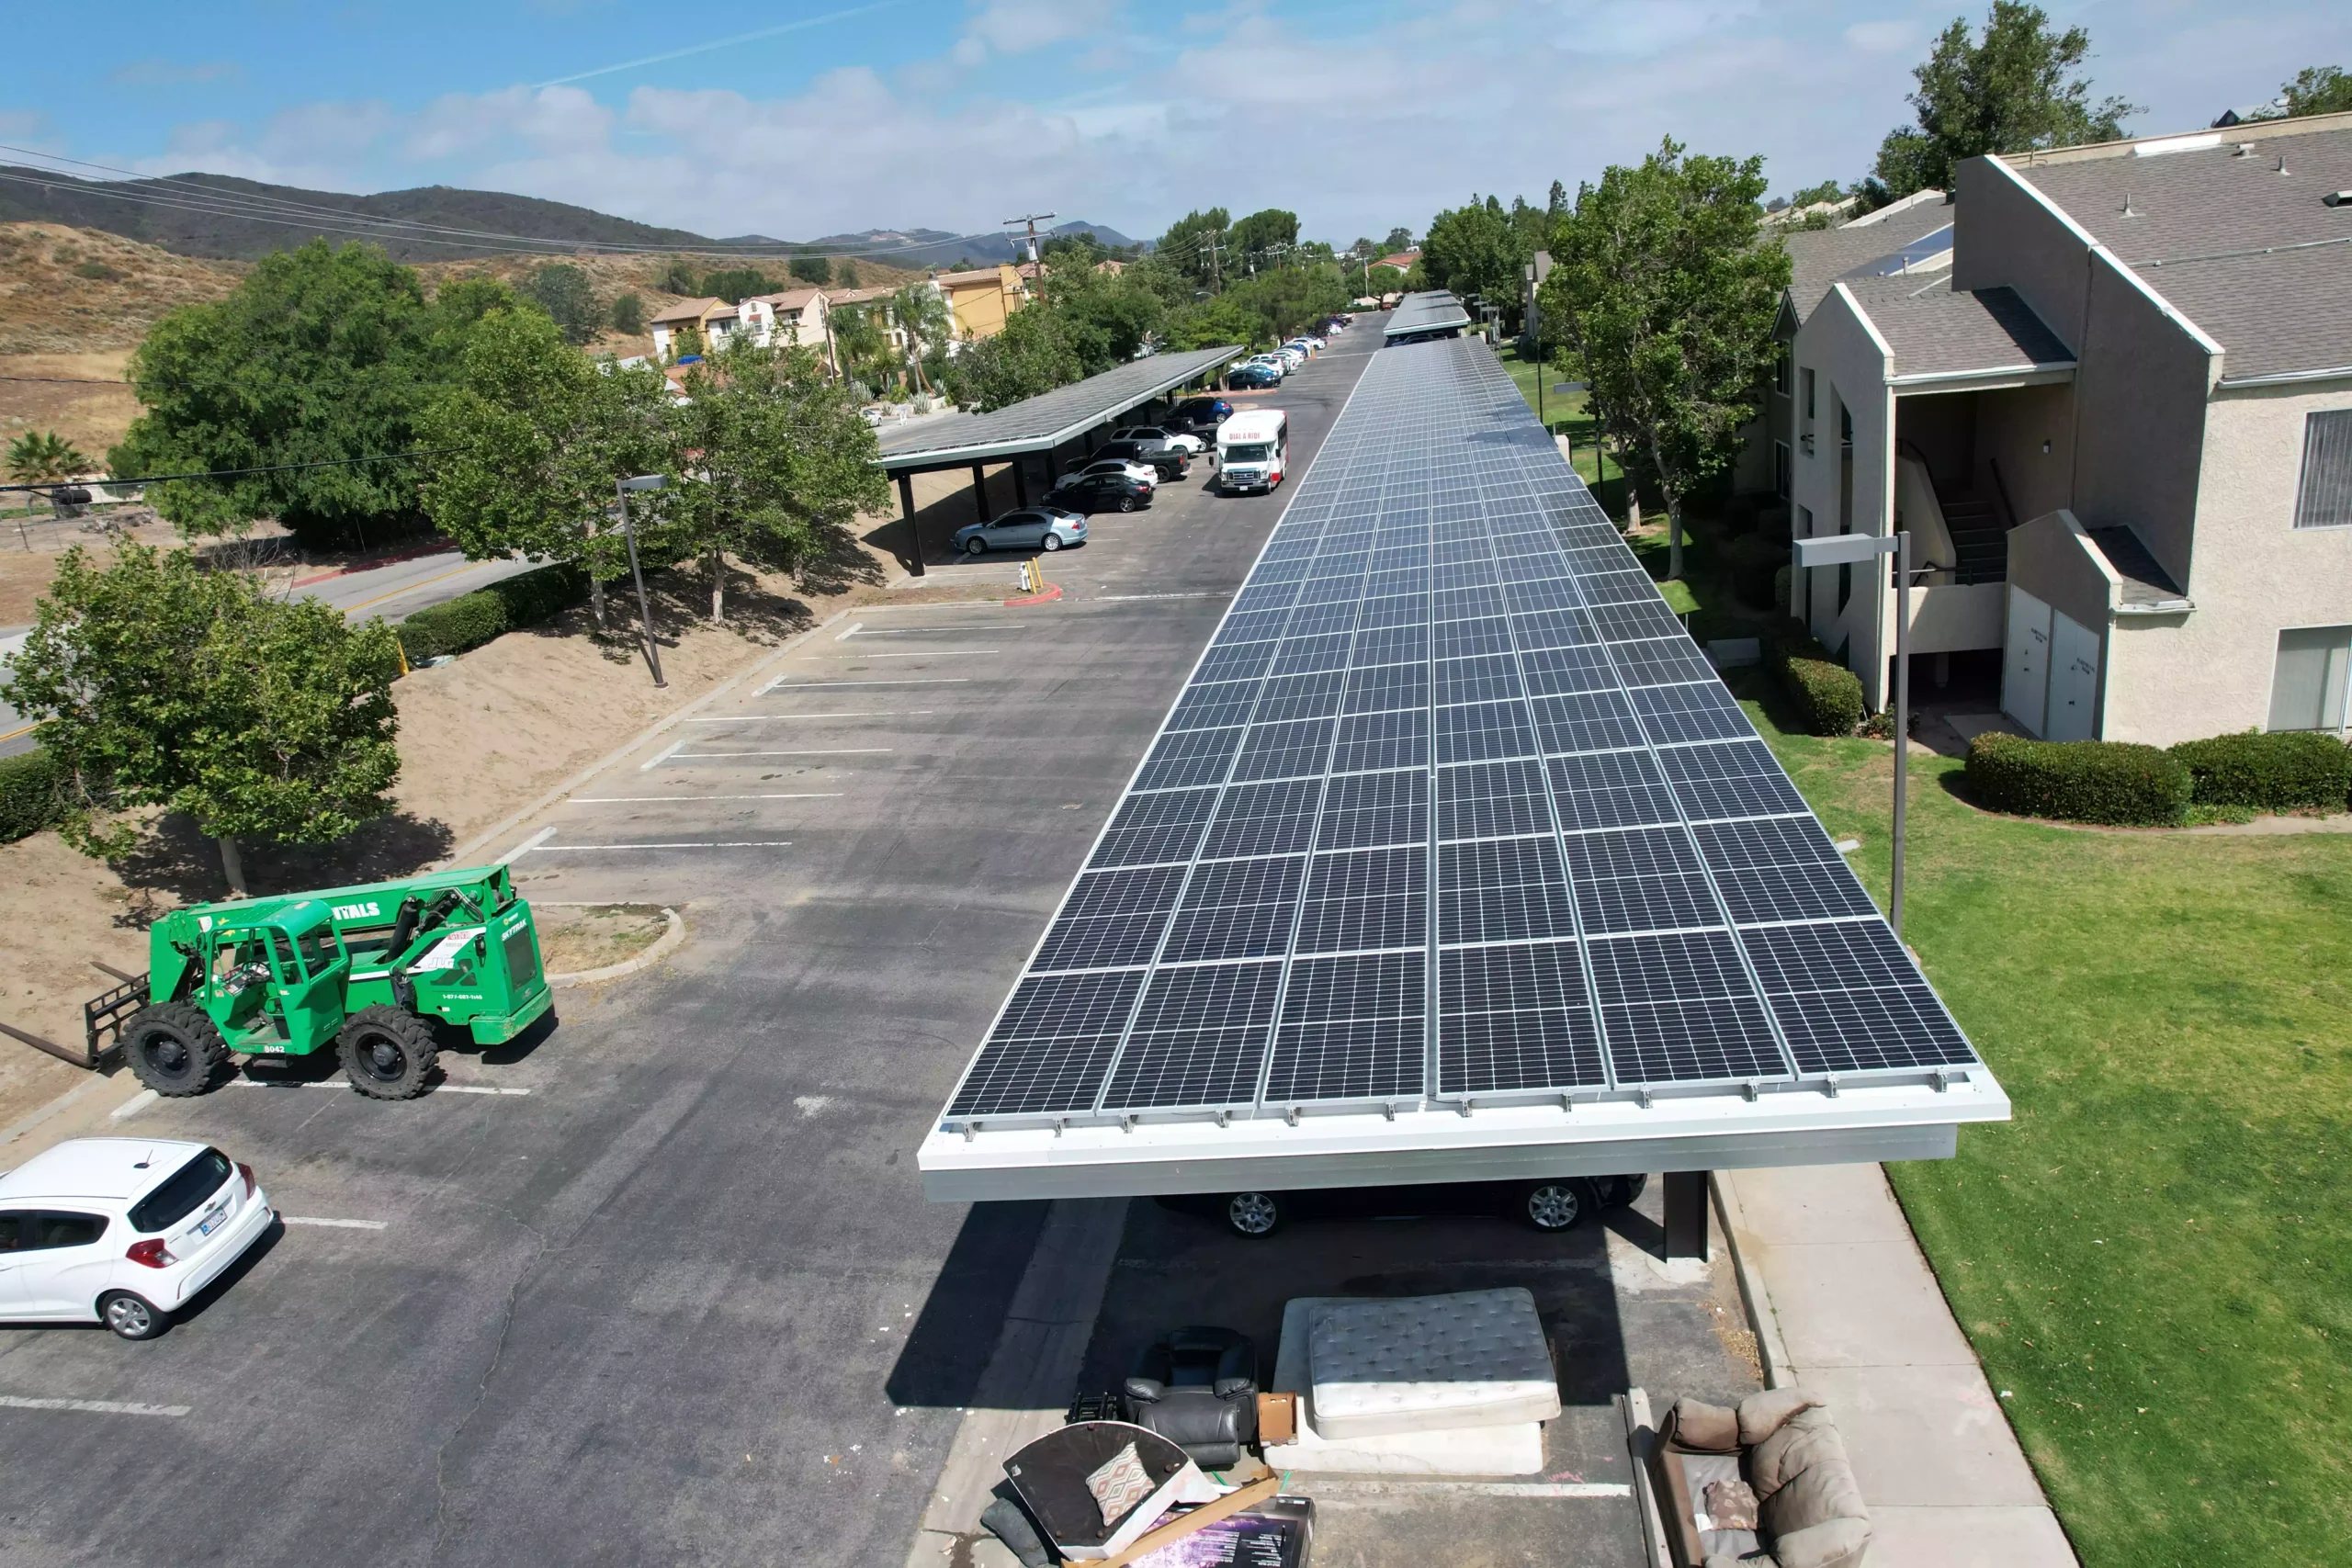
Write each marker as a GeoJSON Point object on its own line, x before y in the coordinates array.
{"type": "Point", "coordinates": [1050, 542]}
{"type": "Point", "coordinates": [132, 1316]}
{"type": "Point", "coordinates": [1252, 1214]}
{"type": "Point", "coordinates": [1126, 503]}
{"type": "Point", "coordinates": [976, 547]}
{"type": "Point", "coordinates": [1552, 1205]}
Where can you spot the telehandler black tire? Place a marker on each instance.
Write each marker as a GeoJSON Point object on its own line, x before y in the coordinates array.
{"type": "Point", "coordinates": [175, 1049]}
{"type": "Point", "coordinates": [387, 1053]}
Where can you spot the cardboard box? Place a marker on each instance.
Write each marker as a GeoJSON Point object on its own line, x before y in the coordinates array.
{"type": "Point", "coordinates": [1277, 1417]}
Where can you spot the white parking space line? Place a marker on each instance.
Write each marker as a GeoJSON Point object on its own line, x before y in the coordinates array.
{"type": "Point", "coordinates": [830, 751]}
{"type": "Point", "coordinates": [926, 653]}
{"type": "Point", "coordinates": [926, 631]}
{"type": "Point", "coordinates": [699, 844]}
{"type": "Point", "coordinates": [526, 846]}
{"type": "Point", "coordinates": [92, 1406]}
{"type": "Point", "coordinates": [332, 1225]}
{"type": "Point", "coordinates": [780, 685]}
{"type": "Point", "coordinates": [852, 630]}
{"type": "Point", "coordinates": [651, 799]}
{"type": "Point", "coordinates": [660, 757]}
{"type": "Point", "coordinates": [1116, 598]}
{"type": "Point", "coordinates": [777, 717]}
{"type": "Point", "coordinates": [134, 1105]}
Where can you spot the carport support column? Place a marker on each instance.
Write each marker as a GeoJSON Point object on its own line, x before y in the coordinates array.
{"type": "Point", "coordinates": [980, 491]}
{"type": "Point", "coordinates": [914, 529]}
{"type": "Point", "coordinates": [1686, 1215]}
{"type": "Point", "coordinates": [1020, 481]}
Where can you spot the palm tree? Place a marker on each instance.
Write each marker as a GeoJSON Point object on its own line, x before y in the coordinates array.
{"type": "Point", "coordinates": [45, 457]}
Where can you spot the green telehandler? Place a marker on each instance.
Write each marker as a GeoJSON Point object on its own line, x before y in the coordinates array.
{"type": "Point", "coordinates": [372, 971]}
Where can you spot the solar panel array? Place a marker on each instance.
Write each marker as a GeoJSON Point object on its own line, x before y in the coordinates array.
{"type": "Point", "coordinates": [1049, 417]}
{"type": "Point", "coordinates": [1450, 809]}
{"type": "Point", "coordinates": [1436, 311]}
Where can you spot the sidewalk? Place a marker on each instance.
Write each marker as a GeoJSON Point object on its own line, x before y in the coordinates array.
{"type": "Point", "coordinates": [1848, 1308]}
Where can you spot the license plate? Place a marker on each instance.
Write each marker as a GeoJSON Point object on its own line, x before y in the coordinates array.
{"type": "Point", "coordinates": [214, 1221]}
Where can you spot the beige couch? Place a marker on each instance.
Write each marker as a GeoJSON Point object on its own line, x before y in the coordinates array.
{"type": "Point", "coordinates": [1782, 1443]}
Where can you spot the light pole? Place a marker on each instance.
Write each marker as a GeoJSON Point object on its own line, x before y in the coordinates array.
{"type": "Point", "coordinates": [1844, 549]}
{"type": "Point", "coordinates": [628, 531]}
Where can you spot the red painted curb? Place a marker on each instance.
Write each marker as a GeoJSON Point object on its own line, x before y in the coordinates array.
{"type": "Point", "coordinates": [393, 560]}
{"type": "Point", "coordinates": [1053, 592]}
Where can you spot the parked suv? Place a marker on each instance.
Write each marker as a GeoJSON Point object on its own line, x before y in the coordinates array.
{"type": "Point", "coordinates": [1184, 441]}
{"type": "Point", "coordinates": [1198, 416]}
{"type": "Point", "coordinates": [1142, 473]}
{"type": "Point", "coordinates": [1169, 461]}
{"type": "Point", "coordinates": [122, 1231]}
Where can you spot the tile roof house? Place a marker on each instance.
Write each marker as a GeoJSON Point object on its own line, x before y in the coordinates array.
{"type": "Point", "coordinates": [980, 301]}
{"type": "Point", "coordinates": [2110, 397]}
{"type": "Point", "coordinates": [694, 315]}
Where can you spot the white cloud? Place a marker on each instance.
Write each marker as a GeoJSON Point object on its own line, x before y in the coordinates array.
{"type": "Point", "coordinates": [1016, 26]}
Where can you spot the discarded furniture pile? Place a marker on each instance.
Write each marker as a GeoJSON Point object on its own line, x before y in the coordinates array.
{"type": "Point", "coordinates": [1767, 1483]}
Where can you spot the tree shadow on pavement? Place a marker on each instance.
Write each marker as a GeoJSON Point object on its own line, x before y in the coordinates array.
{"type": "Point", "coordinates": [172, 864]}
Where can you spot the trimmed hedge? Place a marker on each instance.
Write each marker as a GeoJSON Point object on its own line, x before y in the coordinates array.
{"type": "Point", "coordinates": [1828, 697]}
{"type": "Point", "coordinates": [2110, 781]}
{"type": "Point", "coordinates": [2277, 772]}
{"type": "Point", "coordinates": [30, 794]}
{"type": "Point", "coordinates": [471, 619]}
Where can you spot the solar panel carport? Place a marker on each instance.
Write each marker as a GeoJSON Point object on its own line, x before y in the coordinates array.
{"type": "Point", "coordinates": [1454, 861]}
{"type": "Point", "coordinates": [1045, 424]}
{"type": "Point", "coordinates": [1425, 315]}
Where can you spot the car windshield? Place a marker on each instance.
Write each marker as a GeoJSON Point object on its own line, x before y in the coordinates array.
{"type": "Point", "coordinates": [181, 1190]}
{"type": "Point", "coordinates": [1249, 452]}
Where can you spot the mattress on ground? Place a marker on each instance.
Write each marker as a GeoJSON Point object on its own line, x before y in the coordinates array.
{"type": "Point", "coordinates": [1515, 1449]}
{"type": "Point", "coordinates": [1431, 1363]}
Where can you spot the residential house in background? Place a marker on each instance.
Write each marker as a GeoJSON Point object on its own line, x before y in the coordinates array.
{"type": "Point", "coordinates": [1399, 261]}
{"type": "Point", "coordinates": [2118, 425]}
{"type": "Point", "coordinates": [697, 314]}
{"type": "Point", "coordinates": [796, 318]}
{"type": "Point", "coordinates": [979, 302]}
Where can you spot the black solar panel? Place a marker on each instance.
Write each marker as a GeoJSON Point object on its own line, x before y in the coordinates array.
{"type": "Point", "coordinates": [1450, 807]}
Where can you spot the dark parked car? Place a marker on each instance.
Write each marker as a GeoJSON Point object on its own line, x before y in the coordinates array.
{"type": "Point", "coordinates": [1246, 378]}
{"type": "Point", "coordinates": [1102, 488]}
{"type": "Point", "coordinates": [1171, 461]}
{"type": "Point", "coordinates": [1027, 529]}
{"type": "Point", "coordinates": [1198, 416]}
{"type": "Point", "coordinates": [1547, 1205]}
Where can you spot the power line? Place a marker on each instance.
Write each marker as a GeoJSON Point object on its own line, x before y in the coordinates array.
{"type": "Point", "coordinates": [233, 473]}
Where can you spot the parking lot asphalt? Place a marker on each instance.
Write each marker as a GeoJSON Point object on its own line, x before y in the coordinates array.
{"type": "Point", "coordinates": [672, 1293]}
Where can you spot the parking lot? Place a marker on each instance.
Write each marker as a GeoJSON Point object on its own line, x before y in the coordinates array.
{"type": "Point", "coordinates": [659, 1284]}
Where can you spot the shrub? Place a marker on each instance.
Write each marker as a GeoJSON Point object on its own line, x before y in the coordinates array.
{"type": "Point", "coordinates": [2276, 771]}
{"type": "Point", "coordinates": [1828, 697]}
{"type": "Point", "coordinates": [473, 619]}
{"type": "Point", "coordinates": [31, 795]}
{"type": "Point", "coordinates": [2079, 781]}
{"type": "Point", "coordinates": [1754, 562]}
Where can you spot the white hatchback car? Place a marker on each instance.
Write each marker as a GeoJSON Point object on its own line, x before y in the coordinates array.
{"type": "Point", "coordinates": [122, 1231]}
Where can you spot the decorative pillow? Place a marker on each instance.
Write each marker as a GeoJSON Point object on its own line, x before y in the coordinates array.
{"type": "Point", "coordinates": [1119, 1486]}
{"type": "Point", "coordinates": [1731, 1505]}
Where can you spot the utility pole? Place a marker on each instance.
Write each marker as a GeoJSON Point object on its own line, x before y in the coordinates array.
{"type": "Point", "coordinates": [1032, 219]}
{"type": "Point", "coordinates": [1213, 244]}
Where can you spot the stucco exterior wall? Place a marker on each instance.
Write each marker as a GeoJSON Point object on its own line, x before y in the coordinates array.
{"type": "Point", "coordinates": [2011, 426]}
{"type": "Point", "coordinates": [2181, 678]}
{"type": "Point", "coordinates": [2003, 233]}
{"type": "Point", "coordinates": [2140, 394]}
{"type": "Point", "coordinates": [1942, 425]}
{"type": "Point", "coordinates": [1849, 366]}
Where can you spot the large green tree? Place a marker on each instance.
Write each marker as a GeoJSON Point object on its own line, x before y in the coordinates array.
{"type": "Point", "coordinates": [736, 284]}
{"type": "Point", "coordinates": [157, 683]}
{"type": "Point", "coordinates": [1214, 323]}
{"type": "Point", "coordinates": [2316, 89]}
{"type": "Point", "coordinates": [567, 295]}
{"type": "Point", "coordinates": [1479, 248]}
{"type": "Point", "coordinates": [317, 367]}
{"type": "Point", "coordinates": [1032, 354]}
{"type": "Point", "coordinates": [922, 314]}
{"type": "Point", "coordinates": [1662, 285]}
{"type": "Point", "coordinates": [1265, 239]}
{"type": "Point", "coordinates": [528, 442]}
{"type": "Point", "coordinates": [812, 269]}
{"type": "Point", "coordinates": [1198, 246]}
{"type": "Point", "coordinates": [1103, 317]}
{"type": "Point", "coordinates": [776, 462]}
{"type": "Point", "coordinates": [2012, 91]}
{"type": "Point", "coordinates": [45, 457]}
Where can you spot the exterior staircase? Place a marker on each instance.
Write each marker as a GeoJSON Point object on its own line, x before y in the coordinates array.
{"type": "Point", "coordinates": [1980, 538]}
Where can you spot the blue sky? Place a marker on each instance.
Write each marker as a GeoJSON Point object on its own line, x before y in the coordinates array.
{"type": "Point", "coordinates": [808, 118]}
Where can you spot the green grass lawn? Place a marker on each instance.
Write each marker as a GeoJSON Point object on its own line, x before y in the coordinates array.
{"type": "Point", "coordinates": [2154, 1258]}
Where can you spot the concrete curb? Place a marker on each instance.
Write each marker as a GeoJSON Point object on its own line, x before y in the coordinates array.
{"type": "Point", "coordinates": [1771, 1349]}
{"type": "Point", "coordinates": [668, 944]}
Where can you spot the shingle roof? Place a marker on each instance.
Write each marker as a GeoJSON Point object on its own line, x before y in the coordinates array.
{"type": "Point", "coordinates": [1819, 257]}
{"type": "Point", "coordinates": [686, 310]}
{"type": "Point", "coordinates": [2146, 585]}
{"type": "Point", "coordinates": [1937, 330]}
{"type": "Point", "coordinates": [790, 299]}
{"type": "Point", "coordinates": [2253, 256]}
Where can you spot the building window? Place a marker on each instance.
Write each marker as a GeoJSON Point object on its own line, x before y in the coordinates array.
{"type": "Point", "coordinates": [1808, 391]}
{"type": "Point", "coordinates": [1781, 372]}
{"type": "Point", "coordinates": [1780, 469]}
{"type": "Point", "coordinates": [2307, 689]}
{"type": "Point", "coordinates": [2324, 498]}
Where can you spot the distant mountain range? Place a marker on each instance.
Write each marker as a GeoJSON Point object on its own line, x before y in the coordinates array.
{"type": "Point", "coordinates": [217, 215]}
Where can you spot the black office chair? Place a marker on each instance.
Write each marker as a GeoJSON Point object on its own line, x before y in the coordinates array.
{"type": "Point", "coordinates": [1198, 1388]}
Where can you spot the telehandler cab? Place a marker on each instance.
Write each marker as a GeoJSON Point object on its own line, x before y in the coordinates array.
{"type": "Point", "coordinates": [370, 970]}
